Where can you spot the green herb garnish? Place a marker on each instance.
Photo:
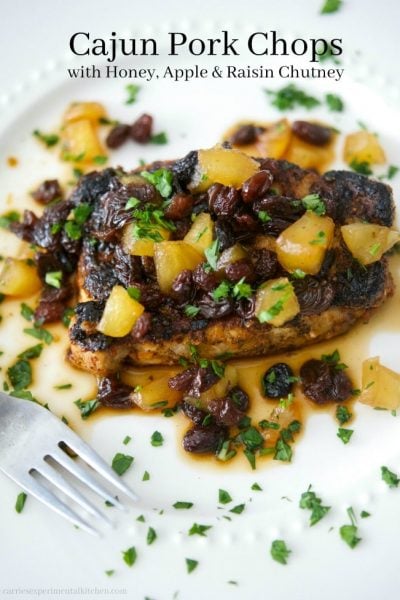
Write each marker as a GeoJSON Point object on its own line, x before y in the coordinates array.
{"type": "Point", "coordinates": [290, 96]}
{"type": "Point", "coordinates": [130, 556]}
{"type": "Point", "coordinates": [344, 434]}
{"type": "Point", "coordinates": [279, 551]}
{"type": "Point", "coordinates": [310, 501]}
{"type": "Point", "coordinates": [191, 564]}
{"type": "Point", "coordinates": [121, 463]}
{"type": "Point", "coordinates": [314, 203]}
{"type": "Point", "coordinates": [197, 529]}
{"type": "Point", "coordinates": [181, 504]}
{"type": "Point", "coordinates": [330, 6]}
{"type": "Point", "coordinates": [20, 502]}
{"type": "Point", "coordinates": [48, 139]}
{"type": "Point", "coordinates": [362, 167]}
{"type": "Point", "coordinates": [389, 477]}
{"type": "Point", "coordinates": [87, 407]}
{"type": "Point", "coordinates": [224, 497]}
{"type": "Point", "coordinates": [161, 179]}
{"type": "Point", "coordinates": [132, 91]}
{"type": "Point", "coordinates": [54, 278]}
{"type": "Point", "coordinates": [157, 439]}
{"type": "Point", "coordinates": [159, 138]}
{"type": "Point", "coordinates": [334, 103]}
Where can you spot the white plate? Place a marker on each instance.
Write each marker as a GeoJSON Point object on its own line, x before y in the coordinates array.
{"type": "Point", "coordinates": [52, 554]}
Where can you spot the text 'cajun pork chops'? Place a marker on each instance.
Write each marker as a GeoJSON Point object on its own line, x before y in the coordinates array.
{"type": "Point", "coordinates": [216, 253]}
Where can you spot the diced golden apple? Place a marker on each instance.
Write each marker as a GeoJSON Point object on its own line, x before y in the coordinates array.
{"type": "Point", "coordinates": [363, 146]}
{"type": "Point", "coordinates": [276, 302]}
{"type": "Point", "coordinates": [18, 278]}
{"type": "Point", "coordinates": [230, 256]}
{"type": "Point", "coordinates": [304, 243]}
{"type": "Point", "coordinates": [219, 390]}
{"type": "Point", "coordinates": [271, 141]}
{"type": "Point", "coordinates": [156, 395]}
{"type": "Point", "coordinates": [120, 313]}
{"type": "Point", "coordinates": [200, 235]}
{"type": "Point", "coordinates": [93, 111]}
{"type": "Point", "coordinates": [142, 246]}
{"type": "Point", "coordinates": [368, 242]}
{"type": "Point", "coordinates": [171, 258]}
{"type": "Point", "coordinates": [80, 143]}
{"type": "Point", "coordinates": [309, 156]}
{"type": "Point", "coordinates": [380, 385]}
{"type": "Point", "coordinates": [222, 165]}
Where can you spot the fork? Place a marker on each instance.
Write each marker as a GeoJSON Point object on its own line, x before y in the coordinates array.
{"type": "Point", "coordinates": [31, 440]}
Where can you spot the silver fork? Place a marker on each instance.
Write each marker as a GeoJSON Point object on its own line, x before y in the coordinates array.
{"type": "Point", "coordinates": [30, 440]}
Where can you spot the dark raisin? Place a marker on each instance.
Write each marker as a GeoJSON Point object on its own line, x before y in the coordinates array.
{"type": "Point", "coordinates": [314, 134]}
{"type": "Point", "coordinates": [277, 381]}
{"type": "Point", "coordinates": [225, 411]}
{"type": "Point", "coordinates": [127, 268]}
{"type": "Point", "coordinates": [193, 413]}
{"type": "Point", "coordinates": [118, 136]}
{"type": "Point", "coordinates": [245, 307]}
{"type": "Point", "coordinates": [112, 392]}
{"type": "Point", "coordinates": [204, 440]}
{"type": "Point", "coordinates": [141, 327]}
{"type": "Point", "coordinates": [244, 224]}
{"type": "Point", "coordinates": [241, 269]}
{"type": "Point", "coordinates": [184, 168]}
{"type": "Point", "coordinates": [323, 383]}
{"type": "Point", "coordinates": [149, 267]}
{"type": "Point", "coordinates": [239, 397]}
{"type": "Point", "coordinates": [49, 312]}
{"type": "Point", "coordinates": [48, 191]}
{"type": "Point", "coordinates": [265, 263]}
{"type": "Point", "coordinates": [281, 210]}
{"type": "Point", "coordinates": [257, 186]}
{"type": "Point", "coordinates": [205, 281]}
{"type": "Point", "coordinates": [181, 228]}
{"type": "Point", "coordinates": [182, 286]}
{"type": "Point", "coordinates": [212, 309]}
{"type": "Point", "coordinates": [223, 200]}
{"type": "Point", "coordinates": [180, 206]}
{"type": "Point", "coordinates": [182, 381]}
{"type": "Point", "coordinates": [204, 378]}
{"type": "Point", "coordinates": [246, 134]}
{"type": "Point", "coordinates": [141, 129]}
{"type": "Point", "coordinates": [224, 234]}
{"type": "Point", "coordinates": [314, 296]}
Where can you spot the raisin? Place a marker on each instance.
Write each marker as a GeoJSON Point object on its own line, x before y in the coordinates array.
{"type": "Point", "coordinates": [225, 411]}
{"type": "Point", "coordinates": [224, 234]}
{"type": "Point", "coordinates": [141, 327]}
{"type": "Point", "coordinates": [204, 440]}
{"type": "Point", "coordinates": [212, 309]}
{"type": "Point", "coordinates": [48, 191]}
{"type": "Point", "coordinates": [312, 133]}
{"type": "Point", "coordinates": [182, 381]}
{"type": "Point", "coordinates": [205, 281]}
{"type": "Point", "coordinates": [49, 312]}
{"type": "Point", "coordinates": [182, 286]}
{"type": "Point", "coordinates": [265, 263]}
{"type": "Point", "coordinates": [246, 134]}
{"type": "Point", "coordinates": [256, 186]}
{"type": "Point", "coordinates": [112, 392]}
{"type": "Point", "coordinates": [118, 136]}
{"type": "Point", "coordinates": [180, 206]}
{"type": "Point", "coordinates": [239, 397]}
{"type": "Point", "coordinates": [241, 269]}
{"type": "Point", "coordinates": [203, 379]}
{"type": "Point", "coordinates": [223, 200]}
{"type": "Point", "coordinates": [245, 307]}
{"type": "Point", "coordinates": [193, 413]}
{"type": "Point", "coordinates": [323, 383]}
{"type": "Point", "coordinates": [141, 129]}
{"type": "Point", "coordinates": [313, 296]}
{"type": "Point", "coordinates": [277, 381]}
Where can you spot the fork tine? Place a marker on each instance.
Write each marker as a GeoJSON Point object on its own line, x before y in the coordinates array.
{"type": "Point", "coordinates": [83, 475]}
{"type": "Point", "coordinates": [34, 488]}
{"type": "Point", "coordinates": [97, 463]}
{"type": "Point", "coordinates": [62, 484]}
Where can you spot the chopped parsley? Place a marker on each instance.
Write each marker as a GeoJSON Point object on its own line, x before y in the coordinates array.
{"type": "Point", "coordinates": [222, 291]}
{"type": "Point", "coordinates": [263, 216]}
{"type": "Point", "coordinates": [298, 274]}
{"type": "Point", "coordinates": [20, 502]}
{"type": "Point", "coordinates": [161, 179]}
{"type": "Point", "coordinates": [290, 96]}
{"type": "Point", "coordinates": [320, 239]}
{"type": "Point", "coordinates": [310, 501]}
{"type": "Point", "coordinates": [211, 254]}
{"type": "Point", "coordinates": [157, 439]}
{"type": "Point", "coordinates": [330, 6]}
{"type": "Point", "coordinates": [283, 451]}
{"type": "Point", "coordinates": [151, 536]}
{"type": "Point", "coordinates": [364, 514]}
{"type": "Point", "coordinates": [267, 315]}
{"type": "Point", "coordinates": [10, 217]}
{"type": "Point", "coordinates": [121, 463]}
{"type": "Point", "coordinates": [54, 278]}
{"type": "Point", "coordinates": [109, 572]}
{"type": "Point", "coordinates": [134, 293]}
{"type": "Point", "coordinates": [146, 476]}
{"type": "Point", "coordinates": [181, 504]}
{"type": "Point", "coordinates": [148, 222]}
{"type": "Point", "coordinates": [374, 249]}
{"type": "Point", "coordinates": [256, 487]}
{"type": "Point", "coordinates": [191, 311]}
{"type": "Point", "coordinates": [391, 172]}
{"type": "Point", "coordinates": [237, 510]}
{"type": "Point", "coordinates": [132, 203]}
{"type": "Point", "coordinates": [344, 434]}
{"type": "Point", "coordinates": [132, 90]}
{"type": "Point", "coordinates": [48, 139]}
{"type": "Point", "coordinates": [67, 315]}
{"type": "Point", "coordinates": [333, 360]}
{"type": "Point", "coordinates": [20, 374]}
{"type": "Point", "coordinates": [389, 477]}
{"type": "Point", "coordinates": [251, 438]}
{"type": "Point", "coordinates": [334, 103]}
{"type": "Point", "coordinates": [32, 352]}
{"type": "Point", "coordinates": [73, 230]}
{"type": "Point", "coordinates": [63, 386]}
{"type": "Point", "coordinates": [343, 414]}
{"type": "Point", "coordinates": [348, 533]}
{"type": "Point", "coordinates": [159, 138]}
{"type": "Point", "coordinates": [362, 167]}
{"type": "Point", "coordinates": [314, 203]}
{"type": "Point", "coordinates": [242, 290]}
{"type": "Point", "coordinates": [87, 407]}
{"type": "Point", "coordinates": [130, 556]}
{"type": "Point", "coordinates": [279, 551]}
{"type": "Point", "coordinates": [224, 497]}
{"type": "Point", "coordinates": [126, 440]}
{"type": "Point", "coordinates": [191, 564]}
{"type": "Point", "coordinates": [100, 160]}
{"type": "Point", "coordinates": [197, 529]}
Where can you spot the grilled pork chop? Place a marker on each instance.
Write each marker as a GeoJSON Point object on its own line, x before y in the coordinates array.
{"type": "Point", "coordinates": [331, 301]}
